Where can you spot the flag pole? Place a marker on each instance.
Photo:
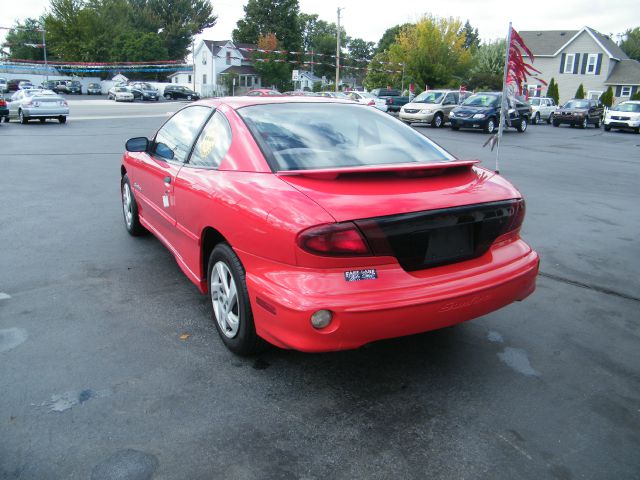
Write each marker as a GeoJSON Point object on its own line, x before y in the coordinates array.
{"type": "Point", "coordinates": [504, 107]}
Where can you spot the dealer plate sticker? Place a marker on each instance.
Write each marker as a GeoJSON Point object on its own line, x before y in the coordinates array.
{"type": "Point", "coordinates": [357, 275]}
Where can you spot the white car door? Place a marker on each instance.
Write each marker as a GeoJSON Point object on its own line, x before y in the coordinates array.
{"type": "Point", "coordinates": [14, 103]}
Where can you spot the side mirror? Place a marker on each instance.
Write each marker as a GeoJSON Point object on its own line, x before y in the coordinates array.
{"type": "Point", "coordinates": [137, 144]}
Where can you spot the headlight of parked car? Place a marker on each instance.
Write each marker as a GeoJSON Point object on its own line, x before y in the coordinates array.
{"type": "Point", "coordinates": [479, 115]}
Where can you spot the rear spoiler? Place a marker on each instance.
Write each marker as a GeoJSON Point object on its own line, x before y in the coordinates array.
{"type": "Point", "coordinates": [400, 170]}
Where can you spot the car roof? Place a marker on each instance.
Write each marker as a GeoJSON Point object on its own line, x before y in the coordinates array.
{"type": "Point", "coordinates": [246, 101]}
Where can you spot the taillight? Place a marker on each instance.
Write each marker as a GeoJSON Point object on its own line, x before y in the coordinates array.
{"type": "Point", "coordinates": [518, 215]}
{"type": "Point", "coordinates": [3, 103]}
{"type": "Point", "coordinates": [338, 239]}
{"type": "Point", "coordinates": [371, 103]}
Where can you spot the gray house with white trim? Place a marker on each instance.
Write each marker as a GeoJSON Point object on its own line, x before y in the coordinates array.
{"type": "Point", "coordinates": [587, 57]}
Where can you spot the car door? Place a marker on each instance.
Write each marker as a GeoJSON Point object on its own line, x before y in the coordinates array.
{"type": "Point", "coordinates": [449, 103]}
{"type": "Point", "coordinates": [154, 173]}
{"type": "Point", "coordinates": [14, 103]}
{"type": "Point", "coordinates": [198, 186]}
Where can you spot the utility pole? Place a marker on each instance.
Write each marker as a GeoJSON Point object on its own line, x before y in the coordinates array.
{"type": "Point", "coordinates": [193, 59]}
{"type": "Point", "coordinates": [338, 52]}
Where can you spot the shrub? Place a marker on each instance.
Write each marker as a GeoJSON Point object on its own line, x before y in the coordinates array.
{"type": "Point", "coordinates": [579, 92]}
{"type": "Point", "coordinates": [607, 97]}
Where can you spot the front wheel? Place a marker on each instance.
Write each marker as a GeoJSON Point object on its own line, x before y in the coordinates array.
{"type": "Point", "coordinates": [491, 126]}
{"type": "Point", "coordinates": [536, 119]}
{"type": "Point", "coordinates": [23, 120]}
{"type": "Point", "coordinates": [523, 125]}
{"type": "Point", "coordinates": [438, 121]}
{"type": "Point", "coordinates": [188, 97]}
{"type": "Point", "coordinates": [62, 119]}
{"type": "Point", "coordinates": [607, 128]}
{"type": "Point", "coordinates": [556, 123]}
{"type": "Point", "coordinates": [549, 118]}
{"type": "Point", "coordinates": [597, 124]}
{"type": "Point", "coordinates": [167, 96]}
{"type": "Point", "coordinates": [130, 210]}
{"type": "Point", "coordinates": [230, 302]}
{"type": "Point", "coordinates": [584, 123]}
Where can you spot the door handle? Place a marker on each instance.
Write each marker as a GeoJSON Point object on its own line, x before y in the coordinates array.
{"type": "Point", "coordinates": [167, 181]}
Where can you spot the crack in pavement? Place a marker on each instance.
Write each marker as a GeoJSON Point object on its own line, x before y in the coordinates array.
{"type": "Point", "coordinates": [596, 288]}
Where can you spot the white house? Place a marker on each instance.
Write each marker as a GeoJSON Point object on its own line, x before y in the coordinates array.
{"type": "Point", "coordinates": [217, 63]}
{"type": "Point", "coordinates": [183, 77]}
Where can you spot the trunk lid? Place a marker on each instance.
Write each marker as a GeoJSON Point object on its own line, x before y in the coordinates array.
{"type": "Point", "coordinates": [367, 192]}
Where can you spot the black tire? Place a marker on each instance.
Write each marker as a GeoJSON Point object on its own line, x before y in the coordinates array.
{"type": "Point", "coordinates": [241, 338]}
{"type": "Point", "coordinates": [188, 97]}
{"type": "Point", "coordinates": [556, 123]}
{"type": "Point", "coordinates": [536, 119]}
{"type": "Point", "coordinates": [455, 128]}
{"type": "Point", "coordinates": [157, 98]}
{"type": "Point", "coordinates": [597, 124]}
{"type": "Point", "coordinates": [607, 128]}
{"type": "Point", "coordinates": [550, 119]}
{"type": "Point", "coordinates": [490, 127]}
{"type": "Point", "coordinates": [23, 120]}
{"type": "Point", "coordinates": [42, 120]}
{"type": "Point", "coordinates": [62, 119]}
{"type": "Point", "coordinates": [637, 129]}
{"type": "Point", "coordinates": [130, 209]}
{"type": "Point", "coordinates": [438, 121]}
{"type": "Point", "coordinates": [522, 127]}
{"type": "Point", "coordinates": [167, 96]}
{"type": "Point", "coordinates": [584, 123]}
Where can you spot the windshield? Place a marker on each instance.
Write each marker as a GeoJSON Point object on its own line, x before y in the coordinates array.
{"type": "Point", "coordinates": [482, 100]}
{"type": "Point", "coordinates": [121, 89]}
{"type": "Point", "coordinates": [628, 107]}
{"type": "Point", "coordinates": [429, 97]}
{"type": "Point", "coordinates": [93, 85]}
{"type": "Point", "coordinates": [308, 136]}
{"type": "Point", "coordinates": [576, 104]}
{"type": "Point", "coordinates": [534, 102]}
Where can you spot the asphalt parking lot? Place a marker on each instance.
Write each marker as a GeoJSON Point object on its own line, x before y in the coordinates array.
{"type": "Point", "coordinates": [110, 366]}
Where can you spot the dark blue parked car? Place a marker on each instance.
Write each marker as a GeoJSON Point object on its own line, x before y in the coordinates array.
{"type": "Point", "coordinates": [482, 110]}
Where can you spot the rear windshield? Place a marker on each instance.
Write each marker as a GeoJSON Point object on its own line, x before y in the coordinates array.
{"type": "Point", "coordinates": [308, 136]}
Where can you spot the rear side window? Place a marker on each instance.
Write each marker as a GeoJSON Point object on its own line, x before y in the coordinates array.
{"type": "Point", "coordinates": [213, 143]}
{"type": "Point", "coordinates": [180, 131]}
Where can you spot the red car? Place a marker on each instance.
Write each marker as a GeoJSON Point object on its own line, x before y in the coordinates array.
{"type": "Point", "coordinates": [263, 92]}
{"type": "Point", "coordinates": [320, 224]}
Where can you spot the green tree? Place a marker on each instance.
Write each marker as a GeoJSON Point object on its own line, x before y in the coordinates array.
{"type": "Point", "coordinates": [471, 36]}
{"type": "Point", "coordinates": [433, 52]}
{"type": "Point", "coordinates": [579, 92]}
{"type": "Point", "coordinates": [24, 40]}
{"type": "Point", "coordinates": [636, 96]}
{"type": "Point", "coordinates": [607, 97]}
{"type": "Point", "coordinates": [135, 47]}
{"type": "Point", "coordinates": [631, 44]}
{"type": "Point", "coordinates": [380, 73]}
{"type": "Point", "coordinates": [389, 37]}
{"type": "Point", "coordinates": [487, 71]}
{"type": "Point", "coordinates": [272, 70]}
{"type": "Point", "coordinates": [552, 91]}
{"type": "Point", "coordinates": [280, 17]}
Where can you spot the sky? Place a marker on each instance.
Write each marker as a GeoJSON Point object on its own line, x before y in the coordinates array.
{"type": "Point", "coordinates": [369, 19]}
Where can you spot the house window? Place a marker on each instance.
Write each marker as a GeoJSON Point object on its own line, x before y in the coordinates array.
{"type": "Point", "coordinates": [204, 79]}
{"type": "Point", "coordinates": [204, 58]}
{"type": "Point", "coordinates": [592, 61]}
{"type": "Point", "coordinates": [568, 63]}
{"type": "Point", "coordinates": [594, 94]}
{"type": "Point", "coordinates": [228, 57]}
{"type": "Point", "coordinates": [626, 91]}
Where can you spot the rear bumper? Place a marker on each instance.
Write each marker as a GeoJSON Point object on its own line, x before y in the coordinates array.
{"type": "Point", "coordinates": [395, 304]}
{"type": "Point", "coordinates": [45, 112]}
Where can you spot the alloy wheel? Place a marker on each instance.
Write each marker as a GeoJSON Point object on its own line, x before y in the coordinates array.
{"type": "Point", "coordinates": [127, 203]}
{"type": "Point", "coordinates": [224, 297]}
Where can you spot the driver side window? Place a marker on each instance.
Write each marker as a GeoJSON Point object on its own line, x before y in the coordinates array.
{"type": "Point", "coordinates": [177, 135]}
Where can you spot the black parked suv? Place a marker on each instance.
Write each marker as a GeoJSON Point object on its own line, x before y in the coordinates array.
{"type": "Point", "coordinates": [171, 92]}
{"type": "Point", "coordinates": [144, 91]}
{"type": "Point", "coordinates": [482, 110]}
{"type": "Point", "coordinates": [579, 112]}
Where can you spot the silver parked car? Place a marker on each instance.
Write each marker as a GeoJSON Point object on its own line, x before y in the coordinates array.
{"type": "Point", "coordinates": [120, 94]}
{"type": "Point", "coordinates": [29, 104]}
{"type": "Point", "coordinates": [432, 106]}
{"type": "Point", "coordinates": [542, 108]}
{"type": "Point", "coordinates": [366, 98]}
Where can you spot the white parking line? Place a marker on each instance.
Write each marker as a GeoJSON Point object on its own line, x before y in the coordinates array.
{"type": "Point", "coordinates": [109, 117]}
